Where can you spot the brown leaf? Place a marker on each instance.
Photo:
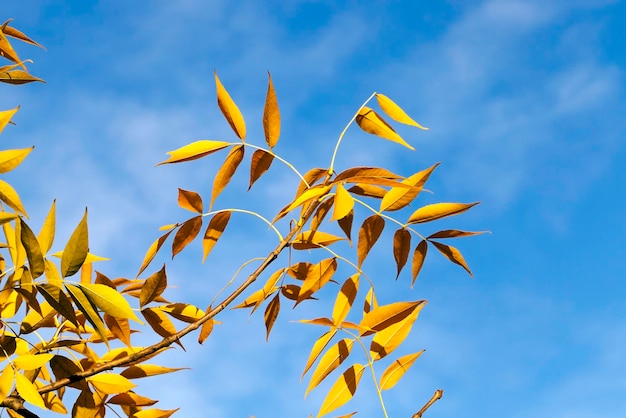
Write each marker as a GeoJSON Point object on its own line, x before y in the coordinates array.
{"type": "Point", "coordinates": [290, 291]}
{"type": "Point", "coordinates": [345, 224]}
{"type": "Point", "coordinates": [185, 234]}
{"type": "Point", "coordinates": [230, 110]}
{"type": "Point", "coordinates": [159, 322]}
{"type": "Point", "coordinates": [368, 190]}
{"type": "Point", "coordinates": [418, 259]}
{"type": "Point", "coordinates": [271, 313]}
{"type": "Point", "coordinates": [261, 162]}
{"type": "Point", "coordinates": [438, 210]}
{"type": "Point", "coordinates": [271, 115]}
{"type": "Point", "coordinates": [452, 254]}
{"type": "Point", "coordinates": [369, 233]}
{"type": "Point", "coordinates": [369, 172]}
{"type": "Point", "coordinates": [153, 250]}
{"type": "Point", "coordinates": [119, 327]}
{"type": "Point", "coordinates": [226, 171]}
{"type": "Point", "coordinates": [320, 213]}
{"type": "Point", "coordinates": [453, 233]}
{"type": "Point", "coordinates": [190, 200]}
{"type": "Point", "coordinates": [214, 231]}
{"type": "Point", "coordinates": [401, 247]}
{"type": "Point", "coordinates": [153, 287]}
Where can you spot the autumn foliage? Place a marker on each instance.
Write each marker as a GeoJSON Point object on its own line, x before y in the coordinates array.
{"type": "Point", "coordinates": [67, 328]}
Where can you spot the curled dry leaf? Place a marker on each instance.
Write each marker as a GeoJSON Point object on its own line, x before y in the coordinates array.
{"type": "Point", "coordinates": [454, 233]}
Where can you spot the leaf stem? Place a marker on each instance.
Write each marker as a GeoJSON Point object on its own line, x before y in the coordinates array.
{"type": "Point", "coordinates": [249, 212]}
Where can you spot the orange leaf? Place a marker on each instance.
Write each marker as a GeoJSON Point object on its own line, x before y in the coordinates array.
{"type": "Point", "coordinates": [368, 190]}
{"type": "Point", "coordinates": [345, 299]}
{"type": "Point", "coordinates": [271, 313]}
{"type": "Point", "coordinates": [369, 233]}
{"type": "Point", "coordinates": [159, 322]}
{"type": "Point", "coordinates": [399, 197]}
{"type": "Point", "coordinates": [206, 330]}
{"type": "Point", "coordinates": [214, 231]}
{"type": "Point", "coordinates": [372, 123]}
{"type": "Point", "coordinates": [452, 254]}
{"type": "Point", "coordinates": [185, 234]}
{"type": "Point", "coordinates": [369, 172]}
{"type": "Point", "coordinates": [395, 112]}
{"type": "Point", "coordinates": [397, 369]}
{"type": "Point", "coordinates": [345, 224]}
{"type": "Point", "coordinates": [312, 176]}
{"type": "Point", "coordinates": [418, 259]}
{"type": "Point", "coordinates": [318, 276]}
{"type": "Point", "coordinates": [370, 301]}
{"type": "Point", "coordinates": [332, 359]}
{"type": "Point", "coordinates": [453, 233]}
{"type": "Point", "coordinates": [152, 251]}
{"type": "Point", "coordinates": [324, 322]}
{"type": "Point", "coordinates": [438, 210]}
{"type": "Point", "coordinates": [390, 338]}
{"type": "Point", "coordinates": [194, 150]}
{"type": "Point", "coordinates": [314, 239]}
{"type": "Point", "coordinates": [344, 202]}
{"type": "Point", "coordinates": [343, 390]}
{"type": "Point", "coordinates": [226, 171]}
{"type": "Point", "coordinates": [190, 200]}
{"type": "Point", "coordinates": [153, 287]}
{"type": "Point", "coordinates": [261, 162]}
{"type": "Point", "coordinates": [385, 316]}
{"type": "Point", "coordinates": [318, 347]}
{"type": "Point", "coordinates": [230, 110]}
{"type": "Point", "coordinates": [401, 247]}
{"type": "Point", "coordinates": [271, 115]}
{"type": "Point", "coordinates": [320, 213]}
{"type": "Point", "coordinates": [119, 327]}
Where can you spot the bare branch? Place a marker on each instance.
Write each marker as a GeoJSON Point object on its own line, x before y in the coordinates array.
{"type": "Point", "coordinates": [436, 396]}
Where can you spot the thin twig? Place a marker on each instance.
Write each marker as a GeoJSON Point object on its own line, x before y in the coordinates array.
{"type": "Point", "coordinates": [438, 394]}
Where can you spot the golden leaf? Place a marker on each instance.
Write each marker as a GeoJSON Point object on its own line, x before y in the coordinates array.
{"type": "Point", "coordinates": [145, 370]}
{"type": "Point", "coordinates": [159, 322]}
{"type": "Point", "coordinates": [31, 361]}
{"type": "Point", "coordinates": [15, 33]}
{"type": "Point", "coordinates": [6, 381]}
{"type": "Point", "coordinates": [5, 117]}
{"type": "Point", "coordinates": [452, 254]}
{"type": "Point", "coordinates": [155, 413]}
{"type": "Point", "coordinates": [368, 172]}
{"type": "Point", "coordinates": [314, 192]}
{"type": "Point", "coordinates": [372, 123]}
{"type": "Point", "coordinates": [28, 391]}
{"type": "Point", "coordinates": [397, 369]}
{"type": "Point", "coordinates": [185, 234]}
{"type": "Point", "coordinates": [369, 233]}
{"type": "Point", "coordinates": [230, 110]}
{"type": "Point", "coordinates": [271, 115]}
{"type": "Point", "coordinates": [18, 77]}
{"type": "Point", "coordinates": [314, 239]}
{"type": "Point", "coordinates": [194, 150]}
{"type": "Point", "coordinates": [318, 347]}
{"type": "Point", "coordinates": [33, 250]}
{"type": "Point", "coordinates": [343, 390]}
{"type": "Point", "coordinates": [9, 159]}
{"type": "Point", "coordinates": [119, 327]}
{"type": "Point", "coordinates": [183, 312]}
{"type": "Point", "coordinates": [345, 224]}
{"type": "Point", "coordinates": [332, 359]}
{"type": "Point", "coordinates": [399, 197]}
{"type": "Point", "coordinates": [385, 316]}
{"type": "Point", "coordinates": [109, 301]}
{"type": "Point", "coordinates": [271, 313]}
{"type": "Point", "coordinates": [226, 171]}
{"type": "Point", "coordinates": [261, 162]}
{"type": "Point", "coordinates": [345, 299]}
{"type": "Point", "coordinates": [390, 338]}
{"type": "Point", "coordinates": [46, 235]}
{"type": "Point", "coordinates": [214, 231]}
{"type": "Point", "coordinates": [206, 330]}
{"type": "Point", "coordinates": [312, 176]}
{"type": "Point", "coordinates": [110, 383]}
{"type": "Point", "coordinates": [317, 277]}
{"type": "Point", "coordinates": [84, 305]}
{"type": "Point", "coordinates": [344, 202]}
{"type": "Point", "coordinates": [320, 213]}
{"type": "Point", "coordinates": [9, 196]}
{"type": "Point", "coordinates": [7, 51]}
{"type": "Point", "coordinates": [368, 190]}
{"type": "Point", "coordinates": [152, 251]}
{"type": "Point", "coordinates": [401, 247]}
{"type": "Point", "coordinates": [325, 322]}
{"type": "Point", "coordinates": [437, 211]}
{"type": "Point", "coordinates": [419, 255]}
{"type": "Point", "coordinates": [395, 112]}
{"type": "Point", "coordinates": [76, 249]}
{"type": "Point", "coordinates": [131, 399]}
{"type": "Point", "coordinates": [454, 233]}
{"type": "Point", "coordinates": [153, 287]}
{"type": "Point", "coordinates": [370, 301]}
{"type": "Point", "coordinates": [190, 200]}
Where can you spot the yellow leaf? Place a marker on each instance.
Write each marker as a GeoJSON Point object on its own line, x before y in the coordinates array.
{"type": "Point", "coordinates": [385, 316]}
{"type": "Point", "coordinates": [314, 239]}
{"type": "Point", "coordinates": [5, 117]}
{"type": "Point", "coordinates": [271, 115]}
{"type": "Point", "coordinates": [194, 150]}
{"type": "Point", "coordinates": [226, 171]}
{"type": "Point", "coordinates": [214, 231]}
{"type": "Point", "coordinates": [190, 200]}
{"type": "Point", "coordinates": [54, 403]}
{"type": "Point", "coordinates": [183, 311]}
{"type": "Point", "coordinates": [345, 299]}
{"type": "Point", "coordinates": [343, 390]}
{"type": "Point", "coordinates": [452, 254]}
{"type": "Point", "coordinates": [154, 413]}
{"type": "Point", "coordinates": [230, 110]}
{"type": "Point", "coordinates": [261, 162]}
{"type": "Point", "coordinates": [390, 338]}
{"type": "Point", "coordinates": [370, 301]}
{"type": "Point", "coordinates": [46, 235]}
{"type": "Point", "coordinates": [369, 233]}
{"type": "Point", "coordinates": [18, 77]}
{"type": "Point", "coordinates": [9, 196]}
{"type": "Point", "coordinates": [399, 197]}
{"type": "Point", "coordinates": [325, 322]}
{"type": "Point", "coordinates": [397, 369]}
{"type": "Point", "coordinates": [14, 33]}
{"type": "Point", "coordinates": [368, 190]}
{"type": "Point", "coordinates": [437, 211]}
{"type": "Point", "coordinates": [187, 232]}
{"type": "Point", "coordinates": [6, 50]}
{"type": "Point", "coordinates": [31, 361]}
{"type": "Point", "coordinates": [314, 192]}
{"type": "Point", "coordinates": [146, 370]}
{"type": "Point", "coordinates": [33, 250]}
{"type": "Point", "coordinates": [372, 123]}
{"type": "Point", "coordinates": [84, 305]}
{"type": "Point", "coordinates": [131, 399]}
{"type": "Point", "coordinates": [76, 249]}
{"type": "Point", "coordinates": [395, 112]}
{"type": "Point", "coordinates": [318, 347]}
{"type": "Point", "coordinates": [320, 213]}
{"type": "Point", "coordinates": [317, 277]}
{"type": "Point", "coordinates": [119, 327]}
{"type": "Point", "coordinates": [271, 313]}
{"type": "Point", "coordinates": [206, 330]}
{"type": "Point", "coordinates": [312, 176]}
{"type": "Point", "coordinates": [401, 247]}
{"type": "Point", "coordinates": [159, 322]}
{"type": "Point", "coordinates": [153, 288]}
{"type": "Point", "coordinates": [109, 301]}
{"type": "Point", "coordinates": [6, 381]}
{"type": "Point", "coordinates": [152, 251]}
{"type": "Point", "coordinates": [332, 359]}
{"type": "Point", "coordinates": [86, 406]}
{"type": "Point", "coordinates": [110, 383]}
{"type": "Point", "coordinates": [419, 255]}
{"type": "Point", "coordinates": [9, 159]}
{"type": "Point", "coordinates": [28, 391]}
{"type": "Point", "coordinates": [367, 172]}
{"type": "Point", "coordinates": [344, 202]}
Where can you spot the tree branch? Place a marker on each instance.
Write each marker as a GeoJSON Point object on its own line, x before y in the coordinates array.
{"type": "Point", "coordinates": [16, 404]}
{"type": "Point", "coordinates": [437, 395]}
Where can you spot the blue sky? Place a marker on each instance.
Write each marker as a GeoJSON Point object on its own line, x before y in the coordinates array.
{"type": "Point", "coordinates": [525, 101]}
